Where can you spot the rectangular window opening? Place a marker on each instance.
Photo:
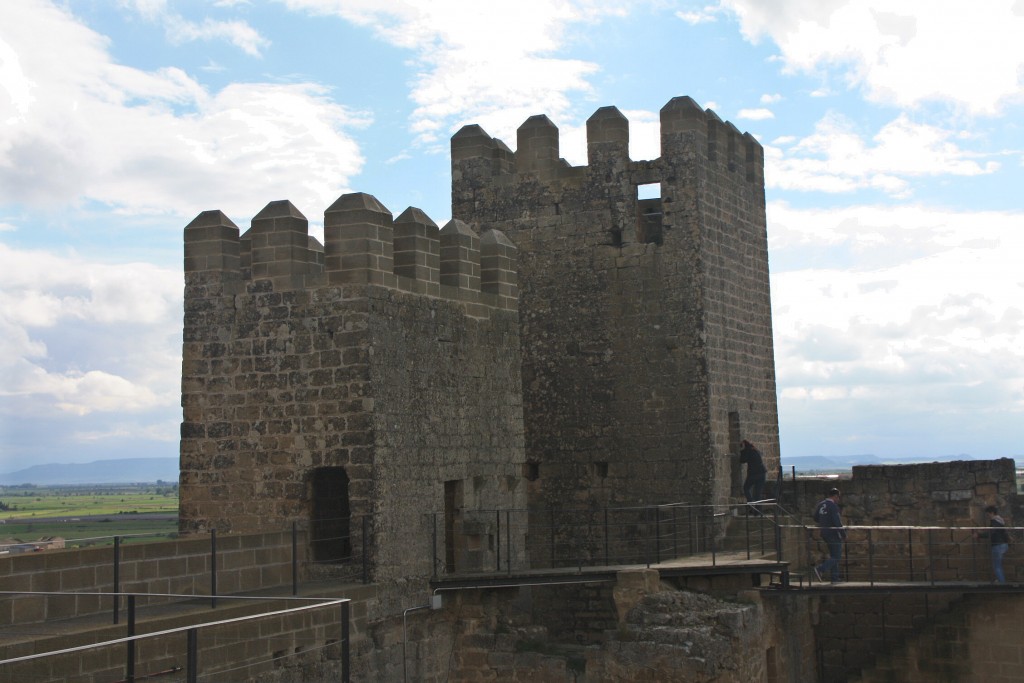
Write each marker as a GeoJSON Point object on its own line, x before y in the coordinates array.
{"type": "Point", "coordinates": [531, 470]}
{"type": "Point", "coordinates": [648, 191]}
{"type": "Point", "coordinates": [649, 213]}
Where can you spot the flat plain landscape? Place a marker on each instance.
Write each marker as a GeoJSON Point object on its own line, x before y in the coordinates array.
{"type": "Point", "coordinates": [88, 515]}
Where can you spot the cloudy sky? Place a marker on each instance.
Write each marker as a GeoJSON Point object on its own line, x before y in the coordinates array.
{"type": "Point", "coordinates": [894, 165]}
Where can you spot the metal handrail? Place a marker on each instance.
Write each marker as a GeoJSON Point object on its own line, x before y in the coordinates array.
{"type": "Point", "coordinates": [191, 632]}
{"type": "Point", "coordinates": [588, 536]}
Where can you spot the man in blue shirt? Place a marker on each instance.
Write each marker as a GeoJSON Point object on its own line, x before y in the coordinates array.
{"type": "Point", "coordinates": [826, 514]}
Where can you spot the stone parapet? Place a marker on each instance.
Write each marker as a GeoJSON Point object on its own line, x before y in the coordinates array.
{"type": "Point", "coordinates": [684, 127]}
{"type": "Point", "coordinates": [363, 245]}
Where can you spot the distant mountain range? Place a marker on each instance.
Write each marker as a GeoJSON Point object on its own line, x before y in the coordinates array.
{"type": "Point", "coordinates": [120, 471]}
{"type": "Point", "coordinates": [146, 470]}
{"type": "Point", "coordinates": [833, 463]}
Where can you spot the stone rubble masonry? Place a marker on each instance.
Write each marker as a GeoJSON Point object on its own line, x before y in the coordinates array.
{"type": "Point", "coordinates": [391, 352]}
{"type": "Point", "coordinates": [925, 494]}
{"type": "Point", "coordinates": [975, 638]}
{"type": "Point", "coordinates": [179, 567]}
{"type": "Point", "coordinates": [943, 500]}
{"type": "Point", "coordinates": [635, 357]}
{"type": "Point", "coordinates": [645, 322]}
{"type": "Point", "coordinates": [854, 631]}
{"type": "Point", "coordinates": [564, 340]}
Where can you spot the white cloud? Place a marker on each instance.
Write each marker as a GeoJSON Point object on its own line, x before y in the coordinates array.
{"type": "Point", "coordinates": [116, 326]}
{"type": "Point", "coordinates": [493, 63]}
{"type": "Point", "coordinates": [84, 127]}
{"type": "Point", "coordinates": [180, 30]}
{"type": "Point", "coordinates": [760, 114]}
{"type": "Point", "coordinates": [837, 157]}
{"type": "Point", "coordinates": [167, 431]}
{"type": "Point", "coordinates": [902, 52]}
{"type": "Point", "coordinates": [704, 15]}
{"type": "Point", "coordinates": [937, 327]}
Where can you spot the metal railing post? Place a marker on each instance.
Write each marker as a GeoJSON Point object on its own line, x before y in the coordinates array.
{"type": "Point", "coordinates": [508, 540]}
{"type": "Point", "coordinates": [746, 529]}
{"type": "Point", "coordinates": [760, 530]}
{"type": "Point", "coordinates": [129, 673]}
{"type": "Point", "coordinates": [346, 665]}
{"type": "Point", "coordinates": [675, 534]}
{"type": "Point", "coordinates": [871, 561]}
{"type": "Point", "coordinates": [885, 639]}
{"type": "Point", "coordinates": [974, 561]}
{"type": "Point", "coordinates": [433, 522]}
{"type": "Point", "coordinates": [497, 540]}
{"type": "Point", "coordinates": [796, 492]}
{"type": "Point", "coordinates": [213, 568]}
{"type": "Point", "coordinates": [295, 558]}
{"type": "Point", "coordinates": [552, 538]}
{"type": "Point", "coordinates": [778, 535]}
{"type": "Point", "coordinates": [192, 657]}
{"type": "Point", "coordinates": [712, 539]}
{"type": "Point", "coordinates": [657, 534]}
{"type": "Point", "coordinates": [694, 530]}
{"type": "Point", "coordinates": [117, 578]}
{"type": "Point", "coordinates": [931, 561]}
{"type": "Point", "coordinates": [645, 547]}
{"type": "Point", "coordinates": [910, 551]}
{"type": "Point", "coordinates": [366, 549]}
{"type": "Point", "coordinates": [606, 533]}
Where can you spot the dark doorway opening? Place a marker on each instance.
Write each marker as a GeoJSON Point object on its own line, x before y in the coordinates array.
{"type": "Point", "coordinates": [453, 540]}
{"type": "Point", "coordinates": [330, 531]}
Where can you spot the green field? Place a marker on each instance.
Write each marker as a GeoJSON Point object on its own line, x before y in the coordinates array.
{"type": "Point", "coordinates": [88, 514]}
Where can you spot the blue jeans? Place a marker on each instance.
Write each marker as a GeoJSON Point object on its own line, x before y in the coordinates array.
{"type": "Point", "coordinates": [998, 550]}
{"type": "Point", "coordinates": [835, 555]}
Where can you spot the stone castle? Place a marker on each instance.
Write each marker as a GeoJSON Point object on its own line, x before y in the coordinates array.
{"type": "Point", "coordinates": [407, 412]}
{"type": "Point", "coordinates": [427, 401]}
{"type": "Point", "coordinates": [561, 341]}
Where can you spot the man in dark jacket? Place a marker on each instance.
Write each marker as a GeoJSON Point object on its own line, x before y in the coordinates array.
{"type": "Point", "coordinates": [826, 514]}
{"type": "Point", "coordinates": [753, 485]}
{"type": "Point", "coordinates": [999, 539]}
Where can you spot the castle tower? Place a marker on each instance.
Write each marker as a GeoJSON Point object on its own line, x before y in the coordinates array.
{"type": "Point", "coordinates": [645, 322]}
{"type": "Point", "coordinates": [352, 389]}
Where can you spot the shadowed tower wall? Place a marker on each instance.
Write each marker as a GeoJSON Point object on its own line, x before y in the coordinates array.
{"type": "Point", "coordinates": [645, 323]}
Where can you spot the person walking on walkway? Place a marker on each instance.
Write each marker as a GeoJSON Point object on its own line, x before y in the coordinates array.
{"type": "Point", "coordinates": [999, 539]}
{"type": "Point", "coordinates": [830, 523]}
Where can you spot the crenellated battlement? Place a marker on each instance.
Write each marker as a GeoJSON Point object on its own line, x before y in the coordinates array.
{"type": "Point", "coordinates": [686, 131]}
{"type": "Point", "coordinates": [363, 244]}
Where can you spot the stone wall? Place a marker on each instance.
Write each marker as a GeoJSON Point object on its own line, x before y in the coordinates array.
{"type": "Point", "coordinates": [854, 631]}
{"type": "Point", "coordinates": [646, 323]}
{"type": "Point", "coordinates": [182, 567]}
{"type": "Point", "coordinates": [291, 648]}
{"type": "Point", "coordinates": [640, 630]}
{"type": "Point", "coordinates": [943, 500]}
{"type": "Point", "coordinates": [376, 377]}
{"type": "Point", "coordinates": [977, 640]}
{"type": "Point", "coordinates": [946, 493]}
